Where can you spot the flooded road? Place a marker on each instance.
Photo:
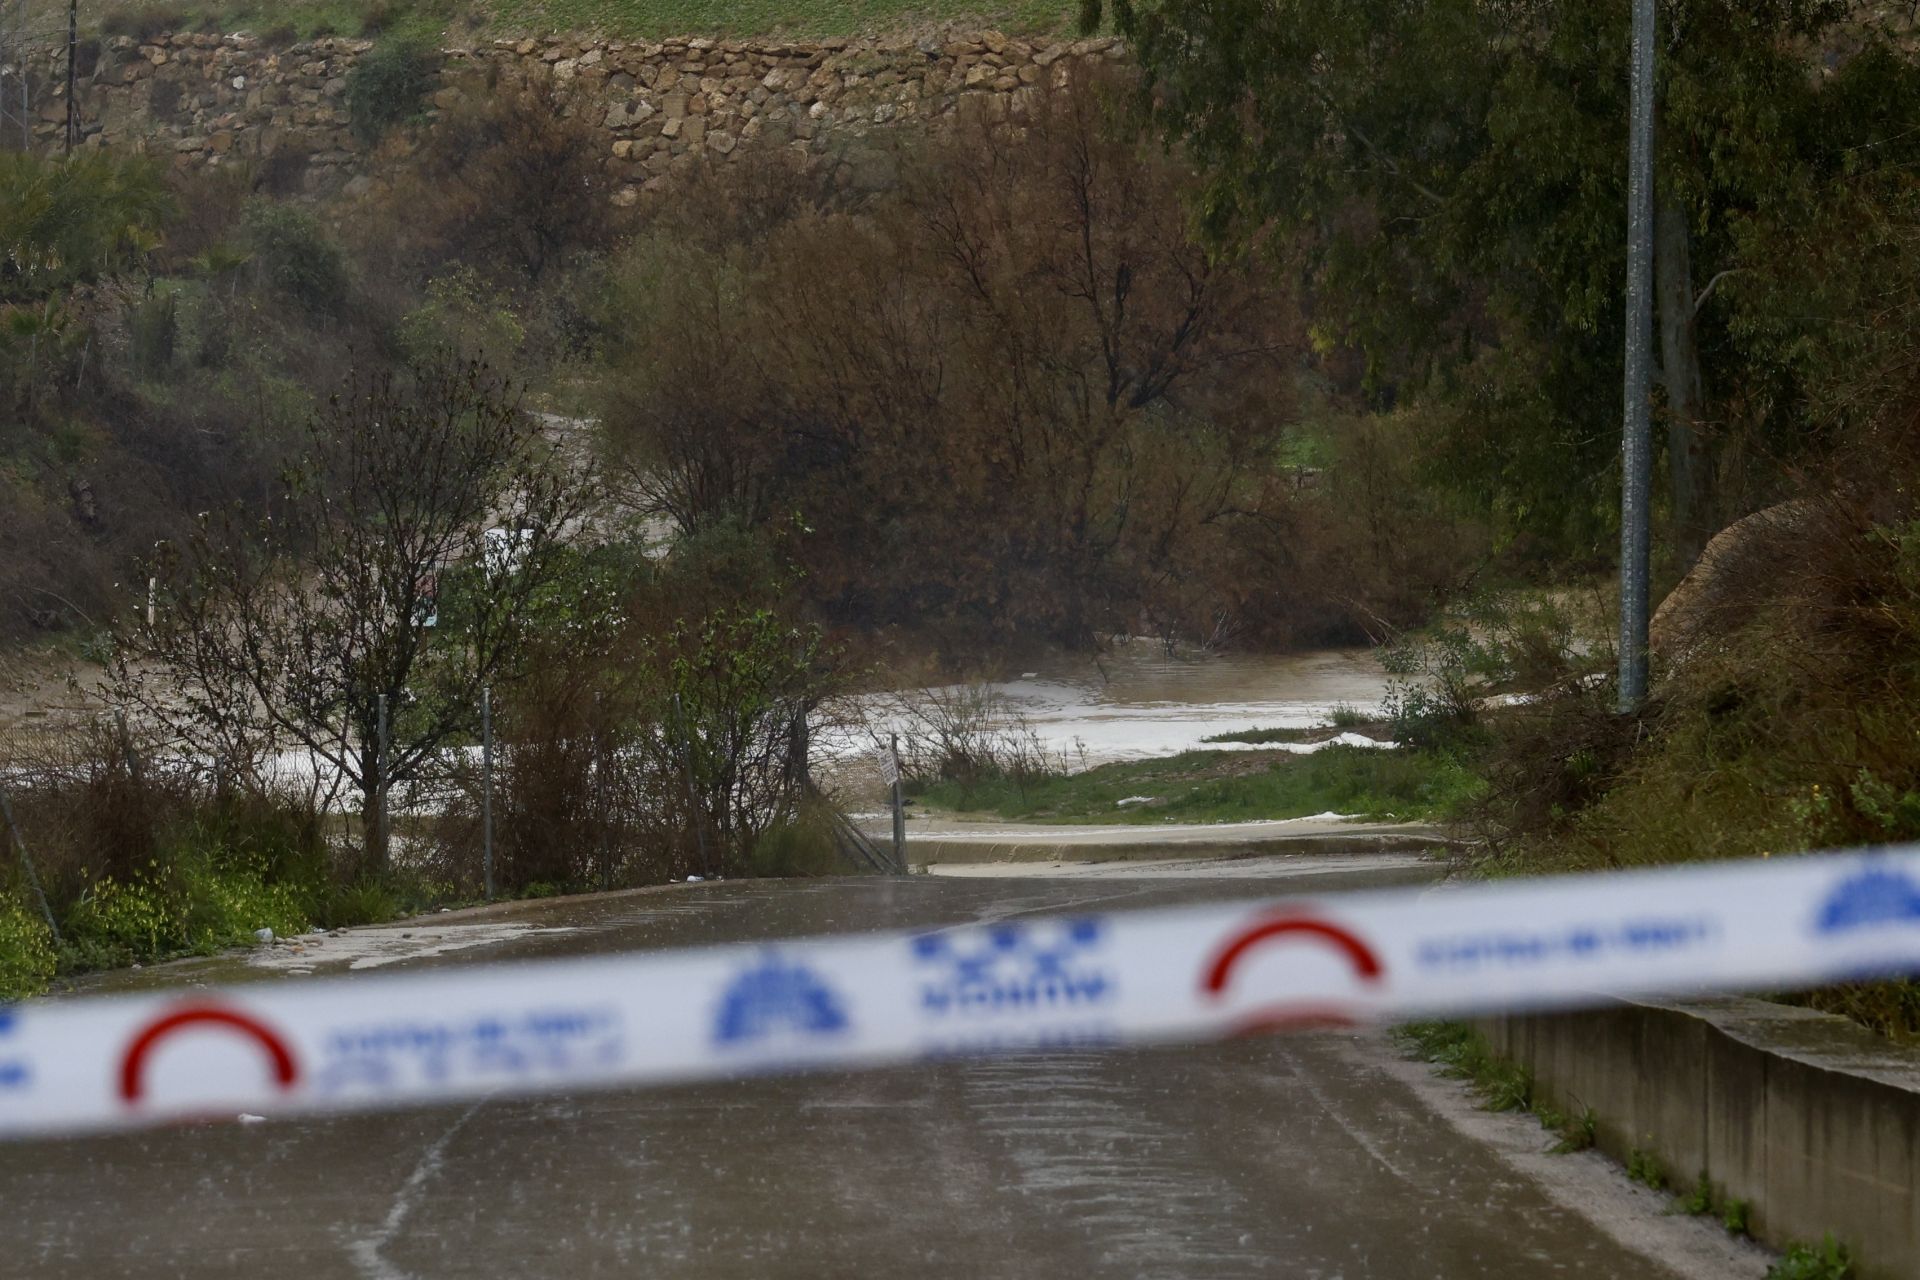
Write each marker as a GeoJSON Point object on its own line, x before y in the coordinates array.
{"type": "Point", "coordinates": [1309, 1156]}
{"type": "Point", "coordinates": [1137, 702]}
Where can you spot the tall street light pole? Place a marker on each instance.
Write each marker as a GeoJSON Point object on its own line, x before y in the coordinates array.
{"type": "Point", "coordinates": [1636, 440]}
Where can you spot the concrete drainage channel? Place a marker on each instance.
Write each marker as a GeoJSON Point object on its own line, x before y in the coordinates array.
{"type": "Point", "coordinates": [1810, 1119]}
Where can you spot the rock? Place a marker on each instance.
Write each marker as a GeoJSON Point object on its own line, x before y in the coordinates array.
{"type": "Point", "coordinates": [263, 936]}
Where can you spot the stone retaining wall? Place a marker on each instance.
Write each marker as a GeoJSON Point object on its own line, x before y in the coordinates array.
{"type": "Point", "coordinates": [1811, 1119]}
{"type": "Point", "coordinates": [665, 106]}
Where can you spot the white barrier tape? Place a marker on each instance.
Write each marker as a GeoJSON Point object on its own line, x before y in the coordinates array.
{"type": "Point", "coordinates": [1181, 974]}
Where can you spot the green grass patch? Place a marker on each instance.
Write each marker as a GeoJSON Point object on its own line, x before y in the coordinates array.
{"type": "Point", "coordinates": [1257, 737]}
{"type": "Point", "coordinates": [1224, 786]}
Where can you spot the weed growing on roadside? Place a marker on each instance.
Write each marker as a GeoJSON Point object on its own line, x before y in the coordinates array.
{"type": "Point", "coordinates": [1577, 1134]}
{"type": "Point", "coordinates": [1644, 1167]}
{"type": "Point", "coordinates": [1736, 1216]}
{"type": "Point", "coordinates": [1701, 1200]}
{"type": "Point", "coordinates": [1828, 1260]}
{"type": "Point", "coordinates": [1464, 1054]}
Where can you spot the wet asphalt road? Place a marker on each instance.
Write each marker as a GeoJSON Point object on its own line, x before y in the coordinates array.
{"type": "Point", "coordinates": [1307, 1156]}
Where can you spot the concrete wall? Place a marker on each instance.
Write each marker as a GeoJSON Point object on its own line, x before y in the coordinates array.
{"type": "Point", "coordinates": [1811, 1119]}
{"type": "Point", "coordinates": [662, 107]}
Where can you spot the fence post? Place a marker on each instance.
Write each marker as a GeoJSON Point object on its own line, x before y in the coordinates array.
{"type": "Point", "coordinates": [133, 754]}
{"type": "Point", "coordinates": [899, 809]}
{"type": "Point", "coordinates": [693, 799]}
{"type": "Point", "coordinates": [381, 828]}
{"type": "Point", "coordinates": [600, 794]}
{"type": "Point", "coordinates": [26, 863]}
{"type": "Point", "coordinates": [486, 789]}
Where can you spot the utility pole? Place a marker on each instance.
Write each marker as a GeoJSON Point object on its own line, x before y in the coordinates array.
{"type": "Point", "coordinates": [1636, 464]}
{"type": "Point", "coordinates": [73, 47]}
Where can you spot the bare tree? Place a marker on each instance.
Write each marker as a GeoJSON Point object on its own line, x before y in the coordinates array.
{"type": "Point", "coordinates": [416, 543]}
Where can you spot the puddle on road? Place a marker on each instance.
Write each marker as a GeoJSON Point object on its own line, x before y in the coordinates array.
{"type": "Point", "coordinates": [371, 947]}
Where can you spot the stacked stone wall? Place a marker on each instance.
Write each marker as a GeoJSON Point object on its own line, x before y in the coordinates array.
{"type": "Point", "coordinates": [664, 107]}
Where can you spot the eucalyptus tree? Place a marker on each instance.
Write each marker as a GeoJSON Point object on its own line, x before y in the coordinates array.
{"type": "Point", "coordinates": [1451, 175]}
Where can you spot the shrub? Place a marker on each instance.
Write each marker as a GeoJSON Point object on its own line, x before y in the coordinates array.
{"type": "Point", "coordinates": [461, 315]}
{"type": "Point", "coordinates": [802, 845]}
{"type": "Point", "coordinates": [295, 255]}
{"type": "Point", "coordinates": [387, 86]}
{"type": "Point", "coordinates": [508, 180]}
{"type": "Point", "coordinates": [142, 21]}
{"type": "Point", "coordinates": [27, 959]}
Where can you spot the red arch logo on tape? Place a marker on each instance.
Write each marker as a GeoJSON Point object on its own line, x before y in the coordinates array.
{"type": "Point", "coordinates": [1288, 926]}
{"type": "Point", "coordinates": [286, 1072]}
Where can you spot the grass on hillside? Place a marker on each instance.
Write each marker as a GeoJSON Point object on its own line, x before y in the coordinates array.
{"type": "Point", "coordinates": [1223, 786]}
{"type": "Point", "coordinates": [620, 19]}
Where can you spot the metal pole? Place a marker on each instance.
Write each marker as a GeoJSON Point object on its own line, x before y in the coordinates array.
{"type": "Point", "coordinates": [1636, 442]}
{"type": "Point", "coordinates": [381, 828]}
{"type": "Point", "coordinates": [899, 809]}
{"type": "Point", "coordinates": [26, 863]}
{"type": "Point", "coordinates": [486, 789]}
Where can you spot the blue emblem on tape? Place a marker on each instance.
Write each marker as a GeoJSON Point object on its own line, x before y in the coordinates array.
{"type": "Point", "coordinates": [14, 1073]}
{"type": "Point", "coordinates": [1051, 966]}
{"type": "Point", "coordinates": [778, 998]}
{"type": "Point", "coordinates": [1871, 898]}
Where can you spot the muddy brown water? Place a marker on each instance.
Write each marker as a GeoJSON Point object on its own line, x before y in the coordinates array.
{"type": "Point", "coordinates": [1308, 1156]}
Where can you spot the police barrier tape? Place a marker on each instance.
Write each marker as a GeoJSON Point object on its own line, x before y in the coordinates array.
{"type": "Point", "coordinates": [1090, 980]}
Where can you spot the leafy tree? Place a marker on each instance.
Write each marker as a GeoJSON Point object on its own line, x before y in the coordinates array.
{"type": "Point", "coordinates": [1451, 174]}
